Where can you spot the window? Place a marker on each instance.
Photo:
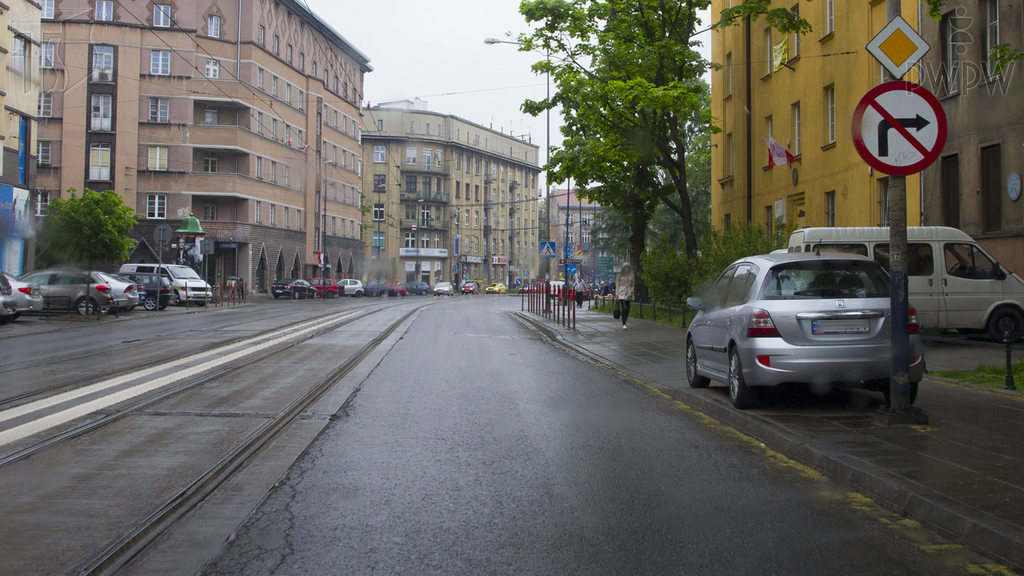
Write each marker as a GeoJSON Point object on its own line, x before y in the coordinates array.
{"type": "Point", "coordinates": [99, 162]}
{"type": "Point", "coordinates": [410, 155]}
{"type": "Point", "coordinates": [378, 239]}
{"type": "Point", "coordinates": [19, 55]}
{"type": "Point", "coordinates": [950, 171]}
{"type": "Point", "coordinates": [425, 240]}
{"type": "Point", "coordinates": [273, 86]}
{"type": "Point", "coordinates": [262, 37]}
{"type": "Point", "coordinates": [210, 162]}
{"type": "Point", "coordinates": [273, 172]}
{"type": "Point", "coordinates": [830, 208]}
{"type": "Point", "coordinates": [920, 259]}
{"type": "Point", "coordinates": [213, 26]}
{"type": "Point", "coordinates": [992, 187]}
{"type": "Point", "coordinates": [458, 162]}
{"type": "Point", "coordinates": [796, 129]}
{"type": "Point", "coordinates": [288, 93]}
{"type": "Point", "coordinates": [830, 114]}
{"type": "Point", "coordinates": [426, 159]}
{"type": "Point", "coordinates": [162, 15]}
{"type": "Point", "coordinates": [284, 219]}
{"type": "Point", "coordinates": [378, 212]}
{"type": "Point", "coordinates": [160, 62]}
{"type": "Point", "coordinates": [476, 218]}
{"type": "Point", "coordinates": [156, 206]}
{"type": "Point", "coordinates": [45, 104]}
{"type": "Point", "coordinates": [212, 69]}
{"type": "Point", "coordinates": [42, 203]}
{"type": "Point", "coordinates": [768, 126]}
{"type": "Point", "coordinates": [302, 100]}
{"type": "Point", "coordinates": [273, 128]}
{"type": "Point", "coordinates": [104, 11]}
{"type": "Point", "coordinates": [378, 154]}
{"type": "Point", "coordinates": [967, 261]}
{"type": "Point", "coordinates": [412, 126]}
{"type": "Point", "coordinates": [47, 52]}
{"type": "Point", "coordinates": [102, 63]}
{"type": "Point", "coordinates": [410, 239]}
{"type": "Point", "coordinates": [771, 50]}
{"type": "Point", "coordinates": [47, 11]}
{"type": "Point", "coordinates": [991, 34]}
{"type": "Point", "coordinates": [43, 152]}
{"type": "Point", "coordinates": [728, 74]}
{"type": "Point", "coordinates": [302, 62]}
{"type": "Point", "coordinates": [209, 210]}
{"type": "Point", "coordinates": [794, 45]}
{"type": "Point", "coordinates": [410, 212]}
{"type": "Point", "coordinates": [830, 14]}
{"type": "Point", "coordinates": [728, 155]}
{"type": "Point", "coordinates": [211, 116]}
{"type": "Point", "coordinates": [257, 211]}
{"type": "Point", "coordinates": [273, 214]}
{"type": "Point", "coordinates": [158, 158]}
{"type": "Point", "coordinates": [277, 52]}
{"type": "Point", "coordinates": [100, 112]}
{"type": "Point", "coordinates": [259, 168]}
{"type": "Point", "coordinates": [378, 183]}
{"type": "Point", "coordinates": [259, 78]}
{"type": "Point", "coordinates": [951, 45]}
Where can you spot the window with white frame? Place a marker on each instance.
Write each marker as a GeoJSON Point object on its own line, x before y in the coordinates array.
{"type": "Point", "coordinates": [426, 158]}
{"type": "Point", "coordinates": [273, 172]}
{"type": "Point", "coordinates": [298, 219]}
{"type": "Point", "coordinates": [378, 155]}
{"type": "Point", "coordinates": [211, 117]}
{"type": "Point", "coordinates": [47, 9]}
{"type": "Point", "coordinates": [287, 92]}
{"type": "Point", "coordinates": [378, 239]}
{"type": "Point", "coordinates": [47, 54]}
{"type": "Point", "coordinates": [160, 62]}
{"type": "Point", "coordinates": [160, 110]}
{"type": "Point", "coordinates": [991, 8]}
{"type": "Point", "coordinates": [425, 240]}
{"type": "Point", "coordinates": [162, 15]}
{"type": "Point", "coordinates": [257, 211]}
{"type": "Point", "coordinates": [45, 104]}
{"type": "Point", "coordinates": [284, 219]}
{"type": "Point", "coordinates": [830, 113]}
{"type": "Point", "coordinates": [102, 63]}
{"type": "Point", "coordinates": [42, 202]}
{"type": "Point", "coordinates": [100, 115]}
{"type": "Point", "coordinates": [302, 100]}
{"type": "Point", "coordinates": [99, 162]}
{"type": "Point", "coordinates": [209, 162]}
{"type": "Point", "coordinates": [212, 69]}
{"type": "Point", "coordinates": [830, 16]}
{"type": "Point", "coordinates": [288, 53]}
{"type": "Point", "coordinates": [259, 78]}
{"type": "Point", "coordinates": [378, 212]}
{"type": "Point", "coordinates": [104, 11]}
{"type": "Point", "coordinates": [156, 206]}
{"type": "Point", "coordinates": [277, 45]}
{"type": "Point", "coordinates": [302, 62]}
{"type": "Point", "coordinates": [43, 152]}
{"type": "Point", "coordinates": [213, 26]}
{"type": "Point", "coordinates": [158, 158]}
{"type": "Point", "coordinates": [259, 167]}
{"type": "Point", "coordinates": [209, 210]}
{"type": "Point", "coordinates": [273, 86]}
{"type": "Point", "coordinates": [19, 54]}
{"type": "Point", "coordinates": [262, 36]}
{"type": "Point", "coordinates": [273, 214]}
{"type": "Point", "coordinates": [410, 239]}
{"type": "Point", "coordinates": [796, 129]}
{"type": "Point", "coordinates": [410, 155]}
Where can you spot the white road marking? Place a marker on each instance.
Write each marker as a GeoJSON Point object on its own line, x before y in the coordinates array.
{"type": "Point", "coordinates": [24, 430]}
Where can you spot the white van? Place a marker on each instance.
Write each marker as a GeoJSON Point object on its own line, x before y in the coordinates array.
{"type": "Point", "coordinates": [953, 283]}
{"type": "Point", "coordinates": [199, 292]}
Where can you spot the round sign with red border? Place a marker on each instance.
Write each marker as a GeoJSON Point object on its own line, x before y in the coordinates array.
{"type": "Point", "coordinates": [899, 128]}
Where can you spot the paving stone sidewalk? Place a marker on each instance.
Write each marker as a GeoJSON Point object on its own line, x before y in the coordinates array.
{"type": "Point", "coordinates": [962, 474]}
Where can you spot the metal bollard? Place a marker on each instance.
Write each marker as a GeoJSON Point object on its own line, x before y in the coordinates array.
{"type": "Point", "coordinates": [1009, 363]}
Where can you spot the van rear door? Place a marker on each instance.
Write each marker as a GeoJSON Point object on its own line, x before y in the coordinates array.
{"type": "Point", "coordinates": [924, 286]}
{"type": "Point", "coordinates": [971, 285]}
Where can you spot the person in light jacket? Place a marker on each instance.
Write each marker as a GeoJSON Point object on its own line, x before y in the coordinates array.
{"type": "Point", "coordinates": [624, 291]}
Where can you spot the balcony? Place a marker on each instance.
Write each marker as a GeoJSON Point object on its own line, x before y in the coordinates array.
{"type": "Point", "coordinates": [427, 224]}
{"type": "Point", "coordinates": [488, 204]}
{"type": "Point", "coordinates": [425, 196]}
{"type": "Point", "coordinates": [442, 170]}
{"type": "Point", "coordinates": [487, 229]}
{"type": "Point", "coordinates": [488, 178]}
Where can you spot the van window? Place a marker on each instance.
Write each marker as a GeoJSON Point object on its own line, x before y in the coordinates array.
{"type": "Point", "coordinates": [920, 259]}
{"type": "Point", "coordinates": [967, 261]}
{"type": "Point", "coordinates": [861, 249]}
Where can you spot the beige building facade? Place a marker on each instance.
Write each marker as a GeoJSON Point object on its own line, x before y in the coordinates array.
{"type": "Point", "coordinates": [19, 90]}
{"type": "Point", "coordinates": [452, 200]}
{"type": "Point", "coordinates": [243, 114]}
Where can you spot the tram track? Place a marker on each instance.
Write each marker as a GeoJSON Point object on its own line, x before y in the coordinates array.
{"type": "Point", "coordinates": [120, 552]}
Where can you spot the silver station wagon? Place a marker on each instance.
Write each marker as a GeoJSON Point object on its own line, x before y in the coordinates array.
{"type": "Point", "coordinates": [821, 320]}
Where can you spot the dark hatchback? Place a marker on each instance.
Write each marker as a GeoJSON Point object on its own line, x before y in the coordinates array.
{"type": "Point", "coordinates": [152, 283]}
{"type": "Point", "coordinates": [293, 288]}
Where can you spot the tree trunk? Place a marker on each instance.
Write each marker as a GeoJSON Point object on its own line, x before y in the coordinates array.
{"type": "Point", "coordinates": [638, 243]}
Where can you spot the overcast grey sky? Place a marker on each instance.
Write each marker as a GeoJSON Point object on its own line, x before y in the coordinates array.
{"type": "Point", "coordinates": [435, 50]}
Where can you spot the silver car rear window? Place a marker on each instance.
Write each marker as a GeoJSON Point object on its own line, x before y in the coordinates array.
{"type": "Point", "coordinates": [826, 279]}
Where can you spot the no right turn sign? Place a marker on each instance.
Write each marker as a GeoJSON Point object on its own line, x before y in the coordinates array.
{"type": "Point", "coordinates": [899, 128]}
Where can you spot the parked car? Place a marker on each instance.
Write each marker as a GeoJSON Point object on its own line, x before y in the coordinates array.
{"type": "Point", "coordinates": [27, 297]}
{"type": "Point", "coordinates": [293, 288]}
{"type": "Point", "coordinates": [158, 290]}
{"type": "Point", "coordinates": [325, 288]}
{"type": "Point", "coordinates": [373, 290]}
{"type": "Point", "coordinates": [353, 288]}
{"type": "Point", "coordinates": [796, 318]}
{"type": "Point", "coordinates": [496, 288]}
{"type": "Point", "coordinates": [122, 291]}
{"type": "Point", "coordinates": [72, 288]}
{"type": "Point", "coordinates": [419, 288]}
{"type": "Point", "coordinates": [8, 306]}
{"type": "Point", "coordinates": [185, 281]}
{"type": "Point", "coordinates": [443, 289]}
{"type": "Point", "coordinates": [140, 288]}
{"type": "Point", "coordinates": [951, 281]}
{"type": "Point", "coordinates": [470, 287]}
{"type": "Point", "coordinates": [394, 290]}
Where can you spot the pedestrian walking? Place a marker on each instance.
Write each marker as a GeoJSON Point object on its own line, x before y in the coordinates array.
{"type": "Point", "coordinates": [623, 287]}
{"type": "Point", "coordinates": [579, 287]}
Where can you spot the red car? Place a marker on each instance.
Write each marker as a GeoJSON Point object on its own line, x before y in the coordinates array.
{"type": "Point", "coordinates": [328, 285]}
{"type": "Point", "coordinates": [394, 290]}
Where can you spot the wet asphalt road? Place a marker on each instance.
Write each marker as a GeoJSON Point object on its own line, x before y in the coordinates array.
{"type": "Point", "coordinates": [475, 448]}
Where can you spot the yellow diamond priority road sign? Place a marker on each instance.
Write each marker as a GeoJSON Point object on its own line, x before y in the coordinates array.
{"type": "Point", "coordinates": [898, 47]}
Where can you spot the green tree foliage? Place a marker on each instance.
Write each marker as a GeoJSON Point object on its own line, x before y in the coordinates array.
{"type": "Point", "coordinates": [88, 229]}
{"type": "Point", "coordinates": [627, 74]}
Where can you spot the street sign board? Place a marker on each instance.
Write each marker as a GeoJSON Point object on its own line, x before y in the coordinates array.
{"type": "Point", "coordinates": [898, 47]}
{"type": "Point", "coordinates": [899, 128]}
{"type": "Point", "coordinates": [162, 235]}
{"type": "Point", "coordinates": [562, 261]}
{"type": "Point", "coordinates": [570, 269]}
{"type": "Point", "coordinates": [547, 249]}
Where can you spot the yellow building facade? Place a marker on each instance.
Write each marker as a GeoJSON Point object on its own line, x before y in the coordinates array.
{"type": "Point", "coordinates": [802, 92]}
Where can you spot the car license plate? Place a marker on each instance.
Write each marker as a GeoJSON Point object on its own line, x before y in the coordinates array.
{"type": "Point", "coordinates": [854, 326]}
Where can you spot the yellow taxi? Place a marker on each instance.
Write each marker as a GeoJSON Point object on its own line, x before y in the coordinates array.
{"type": "Point", "coordinates": [496, 288]}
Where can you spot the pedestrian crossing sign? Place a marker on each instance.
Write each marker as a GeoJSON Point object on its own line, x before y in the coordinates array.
{"type": "Point", "coordinates": [547, 249]}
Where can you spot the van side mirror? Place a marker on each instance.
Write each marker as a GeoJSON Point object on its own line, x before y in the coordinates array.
{"type": "Point", "coordinates": [695, 303]}
{"type": "Point", "coordinates": [1001, 274]}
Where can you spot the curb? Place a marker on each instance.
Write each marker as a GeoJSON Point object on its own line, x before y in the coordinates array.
{"type": "Point", "coordinates": [990, 536]}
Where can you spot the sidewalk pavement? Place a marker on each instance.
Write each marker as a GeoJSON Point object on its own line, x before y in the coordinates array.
{"type": "Point", "coordinates": [962, 475]}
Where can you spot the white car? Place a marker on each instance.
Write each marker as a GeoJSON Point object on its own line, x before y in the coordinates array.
{"type": "Point", "coordinates": [444, 288]}
{"type": "Point", "coordinates": [28, 297]}
{"type": "Point", "coordinates": [350, 287]}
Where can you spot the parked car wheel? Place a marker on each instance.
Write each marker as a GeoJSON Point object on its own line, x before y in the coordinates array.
{"type": "Point", "coordinates": [888, 397]}
{"type": "Point", "coordinates": [692, 378]}
{"type": "Point", "coordinates": [741, 395]}
{"type": "Point", "coordinates": [1005, 320]}
{"type": "Point", "coordinates": [177, 299]}
{"type": "Point", "coordinates": [358, 294]}
{"type": "Point", "coordinates": [150, 303]}
{"type": "Point", "coordinates": [85, 306]}
{"type": "Point", "coordinates": [332, 294]}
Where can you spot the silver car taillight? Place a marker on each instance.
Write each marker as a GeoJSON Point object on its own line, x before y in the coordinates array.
{"type": "Point", "coordinates": [761, 325]}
